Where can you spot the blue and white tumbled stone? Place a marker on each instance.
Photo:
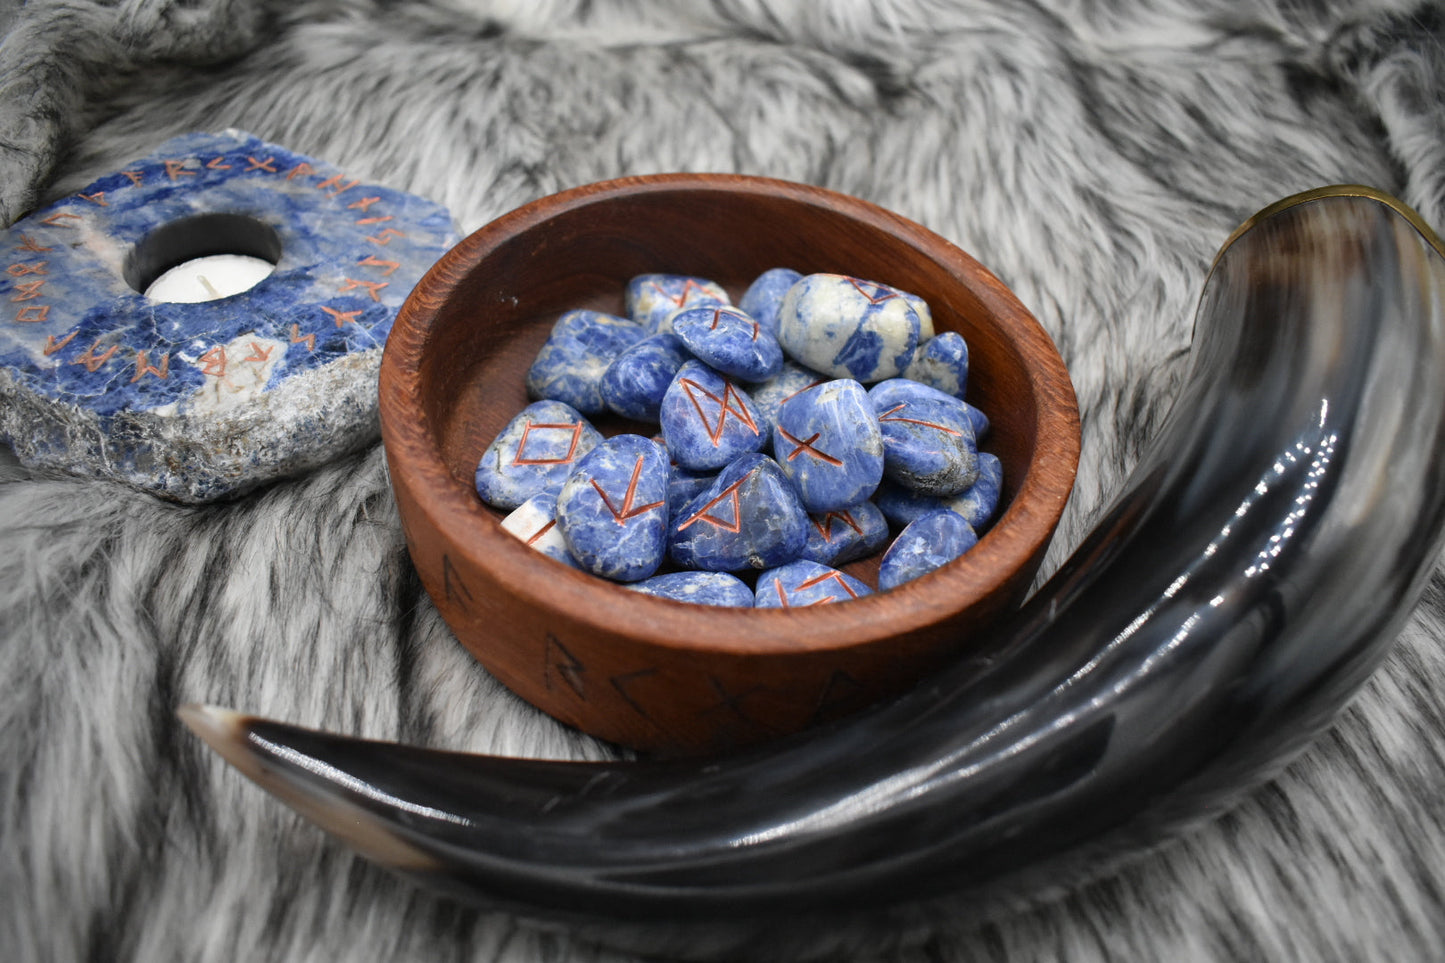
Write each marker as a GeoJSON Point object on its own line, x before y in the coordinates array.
{"type": "Point", "coordinates": [581, 347]}
{"type": "Point", "coordinates": [612, 510]}
{"type": "Point", "coordinates": [633, 385]}
{"type": "Point", "coordinates": [829, 444]}
{"type": "Point", "coordinates": [764, 297]}
{"type": "Point", "coordinates": [890, 393]}
{"type": "Point", "coordinates": [534, 453]}
{"type": "Point", "coordinates": [932, 541]}
{"type": "Point", "coordinates": [769, 396]}
{"type": "Point", "coordinates": [977, 505]}
{"type": "Point", "coordinates": [699, 588]}
{"type": "Point", "coordinates": [850, 328]}
{"type": "Point", "coordinates": [749, 517]}
{"type": "Point", "coordinates": [941, 362]}
{"type": "Point", "coordinates": [727, 339]}
{"type": "Point", "coordinates": [535, 523]}
{"type": "Point", "coordinates": [683, 486]}
{"type": "Point", "coordinates": [845, 535]}
{"type": "Point", "coordinates": [803, 583]}
{"type": "Point", "coordinates": [928, 440]}
{"type": "Point", "coordinates": [706, 420]}
{"type": "Point", "coordinates": [652, 299]}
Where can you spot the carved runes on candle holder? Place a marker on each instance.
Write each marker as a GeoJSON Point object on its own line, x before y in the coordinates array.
{"type": "Point", "coordinates": [197, 401]}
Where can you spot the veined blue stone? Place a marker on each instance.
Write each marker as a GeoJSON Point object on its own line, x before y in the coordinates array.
{"type": "Point", "coordinates": [768, 396]}
{"type": "Point", "coordinates": [534, 453]}
{"type": "Point", "coordinates": [652, 299]}
{"type": "Point", "coordinates": [850, 328]}
{"type": "Point", "coordinates": [933, 540]}
{"type": "Point", "coordinates": [706, 420]}
{"type": "Point", "coordinates": [842, 536]}
{"type": "Point", "coordinates": [887, 394]}
{"type": "Point", "coordinates": [749, 517]}
{"type": "Point", "coordinates": [928, 442]}
{"type": "Point", "coordinates": [635, 382]}
{"type": "Point", "coordinates": [941, 362]}
{"type": "Point", "coordinates": [203, 400]}
{"type": "Point", "coordinates": [977, 505]}
{"type": "Point", "coordinates": [612, 510]}
{"type": "Point", "coordinates": [683, 486]}
{"type": "Point", "coordinates": [727, 339]}
{"type": "Point", "coordinates": [828, 443]}
{"type": "Point", "coordinates": [570, 366]}
{"type": "Point", "coordinates": [764, 297]}
{"type": "Point", "coordinates": [700, 588]}
{"type": "Point", "coordinates": [535, 523]}
{"type": "Point", "coordinates": [803, 583]}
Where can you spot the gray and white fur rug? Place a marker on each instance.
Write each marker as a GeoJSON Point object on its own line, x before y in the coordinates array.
{"type": "Point", "coordinates": [1093, 153]}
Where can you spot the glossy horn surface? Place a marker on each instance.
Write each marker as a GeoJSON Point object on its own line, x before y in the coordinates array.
{"type": "Point", "coordinates": [1257, 566]}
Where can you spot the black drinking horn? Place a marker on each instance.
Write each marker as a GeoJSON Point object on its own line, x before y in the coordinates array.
{"type": "Point", "coordinates": [1264, 553]}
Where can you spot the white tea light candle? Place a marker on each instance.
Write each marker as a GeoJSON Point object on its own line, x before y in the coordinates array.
{"type": "Point", "coordinates": [209, 278]}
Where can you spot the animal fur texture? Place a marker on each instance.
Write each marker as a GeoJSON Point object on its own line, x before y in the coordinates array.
{"type": "Point", "coordinates": [1094, 154]}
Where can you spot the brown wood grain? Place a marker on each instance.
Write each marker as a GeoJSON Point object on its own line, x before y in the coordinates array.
{"type": "Point", "coordinates": [652, 673]}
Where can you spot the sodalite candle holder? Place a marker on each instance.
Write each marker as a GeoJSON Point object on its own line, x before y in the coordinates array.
{"type": "Point", "coordinates": [199, 401]}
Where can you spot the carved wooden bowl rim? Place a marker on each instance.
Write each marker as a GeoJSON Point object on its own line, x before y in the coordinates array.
{"type": "Point", "coordinates": [448, 510]}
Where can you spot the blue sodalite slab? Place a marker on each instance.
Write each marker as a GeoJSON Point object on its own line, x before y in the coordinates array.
{"type": "Point", "coordinates": [941, 362]}
{"type": "Point", "coordinates": [749, 517]}
{"type": "Point", "coordinates": [850, 328]}
{"type": "Point", "coordinates": [699, 588]}
{"type": "Point", "coordinates": [728, 340]}
{"type": "Point", "coordinates": [846, 534]}
{"type": "Point", "coordinates": [932, 541]}
{"type": "Point", "coordinates": [978, 504]}
{"type": "Point", "coordinates": [928, 441]}
{"type": "Point", "coordinates": [829, 444]}
{"type": "Point", "coordinates": [578, 352]}
{"type": "Point", "coordinates": [535, 523]}
{"type": "Point", "coordinates": [706, 420]}
{"type": "Point", "coordinates": [803, 583]}
{"type": "Point", "coordinates": [652, 299]}
{"type": "Point", "coordinates": [198, 401]}
{"type": "Point", "coordinates": [764, 297]}
{"type": "Point", "coordinates": [769, 396]}
{"type": "Point", "coordinates": [612, 509]}
{"type": "Point", "coordinates": [633, 385]}
{"type": "Point", "coordinates": [534, 453]}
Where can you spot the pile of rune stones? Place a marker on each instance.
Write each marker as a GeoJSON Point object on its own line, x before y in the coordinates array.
{"type": "Point", "coordinates": [771, 454]}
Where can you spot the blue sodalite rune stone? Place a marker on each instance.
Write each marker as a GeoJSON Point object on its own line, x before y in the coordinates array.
{"type": "Point", "coordinates": [706, 420]}
{"type": "Point", "coordinates": [535, 523]}
{"type": "Point", "coordinates": [633, 385]}
{"type": "Point", "coordinates": [683, 486]}
{"type": "Point", "coordinates": [803, 583]}
{"type": "Point", "coordinates": [977, 504]}
{"type": "Point", "coordinates": [570, 366]}
{"type": "Point", "coordinates": [769, 396]}
{"type": "Point", "coordinates": [699, 588]}
{"type": "Point", "coordinates": [749, 517]}
{"type": "Point", "coordinates": [652, 299]}
{"type": "Point", "coordinates": [886, 394]}
{"type": "Point", "coordinates": [730, 341]}
{"type": "Point", "coordinates": [851, 328]}
{"type": "Point", "coordinates": [845, 535]}
{"type": "Point", "coordinates": [764, 297]}
{"type": "Point", "coordinates": [828, 443]}
{"type": "Point", "coordinates": [534, 453]}
{"type": "Point", "coordinates": [928, 442]}
{"type": "Point", "coordinates": [934, 540]}
{"type": "Point", "coordinates": [202, 400]}
{"type": "Point", "coordinates": [613, 509]}
{"type": "Point", "coordinates": [941, 362]}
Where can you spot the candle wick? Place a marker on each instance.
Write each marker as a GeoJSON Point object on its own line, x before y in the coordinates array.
{"type": "Point", "coordinates": [214, 292]}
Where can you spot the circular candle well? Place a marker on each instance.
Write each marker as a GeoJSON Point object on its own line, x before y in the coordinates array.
{"type": "Point", "coordinates": [203, 258]}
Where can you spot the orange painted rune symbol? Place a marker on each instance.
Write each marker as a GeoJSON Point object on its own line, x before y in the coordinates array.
{"type": "Point", "coordinates": [888, 416]}
{"type": "Point", "coordinates": [680, 298]}
{"type": "Point", "coordinates": [729, 404]}
{"type": "Point", "coordinates": [627, 512]}
{"type": "Point", "coordinates": [815, 580]}
{"type": "Point", "coordinates": [717, 316]}
{"type": "Point", "coordinates": [704, 514]}
{"type": "Point", "coordinates": [806, 444]}
{"type": "Point", "coordinates": [574, 428]}
{"type": "Point", "coordinates": [824, 525]}
{"type": "Point", "coordinates": [877, 296]}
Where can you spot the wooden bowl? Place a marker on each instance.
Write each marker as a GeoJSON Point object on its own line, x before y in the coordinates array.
{"type": "Point", "coordinates": [652, 673]}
